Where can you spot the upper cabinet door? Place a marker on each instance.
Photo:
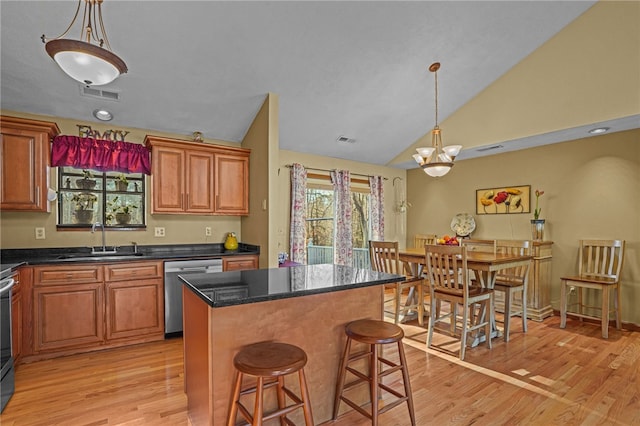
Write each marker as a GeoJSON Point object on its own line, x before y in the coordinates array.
{"type": "Point", "coordinates": [24, 166]}
{"type": "Point", "coordinates": [199, 196]}
{"type": "Point", "coordinates": [232, 184]}
{"type": "Point", "coordinates": [167, 180]}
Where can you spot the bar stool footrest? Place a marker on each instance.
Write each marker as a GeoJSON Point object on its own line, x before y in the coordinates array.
{"type": "Point", "coordinates": [356, 407]}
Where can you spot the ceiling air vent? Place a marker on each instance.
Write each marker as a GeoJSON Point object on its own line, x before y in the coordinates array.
{"type": "Point", "coordinates": [489, 148]}
{"type": "Point", "coordinates": [345, 139]}
{"type": "Point", "coordinates": [92, 92]}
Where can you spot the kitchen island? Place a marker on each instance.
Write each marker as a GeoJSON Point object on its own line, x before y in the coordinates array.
{"type": "Point", "coordinates": [307, 306]}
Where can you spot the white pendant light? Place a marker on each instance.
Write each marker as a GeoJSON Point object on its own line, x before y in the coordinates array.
{"type": "Point", "coordinates": [90, 64]}
{"type": "Point", "coordinates": [436, 161]}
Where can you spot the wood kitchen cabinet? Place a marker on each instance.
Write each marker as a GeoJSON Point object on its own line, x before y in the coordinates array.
{"type": "Point", "coordinates": [25, 143]}
{"type": "Point", "coordinates": [68, 307]}
{"type": "Point", "coordinates": [135, 304]}
{"type": "Point", "coordinates": [68, 315]}
{"type": "Point", "coordinates": [232, 184]}
{"type": "Point", "coordinates": [81, 308]}
{"type": "Point", "coordinates": [180, 181]}
{"type": "Point", "coordinates": [197, 178]}
{"type": "Point", "coordinates": [239, 263]}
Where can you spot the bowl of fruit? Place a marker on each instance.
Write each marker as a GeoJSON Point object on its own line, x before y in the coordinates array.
{"type": "Point", "coordinates": [448, 241]}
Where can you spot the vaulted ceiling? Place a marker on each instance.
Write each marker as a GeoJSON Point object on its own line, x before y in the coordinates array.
{"type": "Point", "coordinates": [355, 69]}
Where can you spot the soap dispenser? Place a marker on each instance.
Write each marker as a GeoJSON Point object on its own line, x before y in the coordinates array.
{"type": "Point", "coordinates": [231, 243]}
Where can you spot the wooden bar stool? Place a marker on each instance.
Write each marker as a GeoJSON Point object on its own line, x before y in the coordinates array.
{"type": "Point", "coordinates": [271, 361]}
{"type": "Point", "coordinates": [373, 333]}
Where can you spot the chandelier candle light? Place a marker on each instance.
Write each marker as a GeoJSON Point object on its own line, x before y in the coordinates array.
{"type": "Point", "coordinates": [90, 64]}
{"type": "Point", "coordinates": [436, 160]}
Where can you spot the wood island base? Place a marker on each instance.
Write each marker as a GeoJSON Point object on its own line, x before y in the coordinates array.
{"type": "Point", "coordinates": [212, 336]}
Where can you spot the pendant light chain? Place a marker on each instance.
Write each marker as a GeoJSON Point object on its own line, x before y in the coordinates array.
{"type": "Point", "coordinates": [437, 159]}
{"type": "Point", "coordinates": [436, 74]}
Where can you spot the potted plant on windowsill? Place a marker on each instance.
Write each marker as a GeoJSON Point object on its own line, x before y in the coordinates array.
{"type": "Point", "coordinates": [84, 206]}
{"type": "Point", "coordinates": [122, 183]}
{"type": "Point", "coordinates": [119, 211]}
{"type": "Point", "coordinates": [86, 182]}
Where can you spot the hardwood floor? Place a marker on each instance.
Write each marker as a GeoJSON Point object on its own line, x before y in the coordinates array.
{"type": "Point", "coordinates": [547, 376]}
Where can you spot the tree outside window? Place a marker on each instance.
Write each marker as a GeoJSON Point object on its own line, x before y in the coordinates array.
{"type": "Point", "coordinates": [320, 227]}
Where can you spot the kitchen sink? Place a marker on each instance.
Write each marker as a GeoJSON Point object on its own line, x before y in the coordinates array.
{"type": "Point", "coordinates": [99, 256]}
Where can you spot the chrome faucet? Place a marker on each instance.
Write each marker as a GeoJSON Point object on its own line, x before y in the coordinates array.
{"type": "Point", "coordinates": [104, 238]}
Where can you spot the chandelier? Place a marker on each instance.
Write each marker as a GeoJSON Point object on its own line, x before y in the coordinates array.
{"type": "Point", "coordinates": [90, 64]}
{"type": "Point", "coordinates": [436, 160]}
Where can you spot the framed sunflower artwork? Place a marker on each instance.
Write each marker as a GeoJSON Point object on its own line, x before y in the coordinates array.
{"type": "Point", "coordinates": [504, 200]}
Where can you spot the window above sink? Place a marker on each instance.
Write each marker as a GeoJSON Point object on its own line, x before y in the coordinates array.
{"type": "Point", "coordinates": [114, 199]}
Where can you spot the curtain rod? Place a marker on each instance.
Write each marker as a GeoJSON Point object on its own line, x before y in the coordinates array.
{"type": "Point", "coordinates": [327, 170]}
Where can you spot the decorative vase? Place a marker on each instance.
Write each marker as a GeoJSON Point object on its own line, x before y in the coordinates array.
{"type": "Point", "coordinates": [122, 186]}
{"type": "Point", "coordinates": [123, 218]}
{"type": "Point", "coordinates": [537, 229]}
{"type": "Point", "coordinates": [84, 216]}
{"type": "Point", "coordinates": [231, 243]}
{"type": "Point", "coordinates": [85, 183]}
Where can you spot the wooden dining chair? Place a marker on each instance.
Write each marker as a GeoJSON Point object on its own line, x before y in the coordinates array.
{"type": "Point", "coordinates": [384, 258]}
{"type": "Point", "coordinates": [512, 280]}
{"type": "Point", "coordinates": [449, 282]}
{"type": "Point", "coordinates": [599, 265]}
{"type": "Point", "coordinates": [420, 240]}
{"type": "Point", "coordinates": [484, 246]}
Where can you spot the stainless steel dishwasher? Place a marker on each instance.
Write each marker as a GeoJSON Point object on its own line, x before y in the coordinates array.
{"type": "Point", "coordinates": [173, 289]}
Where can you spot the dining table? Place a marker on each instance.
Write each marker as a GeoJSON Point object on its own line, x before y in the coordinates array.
{"type": "Point", "coordinates": [485, 266]}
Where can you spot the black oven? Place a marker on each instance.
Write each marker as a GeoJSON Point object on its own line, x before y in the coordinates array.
{"type": "Point", "coordinates": [7, 385]}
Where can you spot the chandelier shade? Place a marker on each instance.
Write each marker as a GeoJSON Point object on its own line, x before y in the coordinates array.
{"type": "Point", "coordinates": [88, 63]}
{"type": "Point", "coordinates": [436, 160]}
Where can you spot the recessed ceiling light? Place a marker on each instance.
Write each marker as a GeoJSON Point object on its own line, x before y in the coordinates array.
{"type": "Point", "coordinates": [103, 115]}
{"type": "Point", "coordinates": [599, 130]}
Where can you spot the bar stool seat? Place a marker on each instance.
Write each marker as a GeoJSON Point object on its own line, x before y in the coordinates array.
{"type": "Point", "coordinates": [373, 333]}
{"type": "Point", "coordinates": [271, 361]}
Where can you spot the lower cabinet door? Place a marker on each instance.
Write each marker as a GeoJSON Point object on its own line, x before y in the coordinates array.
{"type": "Point", "coordinates": [67, 316]}
{"type": "Point", "coordinates": [134, 308]}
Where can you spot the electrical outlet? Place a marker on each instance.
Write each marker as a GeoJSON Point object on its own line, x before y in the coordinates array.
{"type": "Point", "coordinates": [207, 231]}
{"type": "Point", "coordinates": [40, 234]}
{"type": "Point", "coordinates": [159, 231]}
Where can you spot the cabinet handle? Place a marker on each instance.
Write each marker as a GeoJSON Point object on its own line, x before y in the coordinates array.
{"type": "Point", "coordinates": [38, 194]}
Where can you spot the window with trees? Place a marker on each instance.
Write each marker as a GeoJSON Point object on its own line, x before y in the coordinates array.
{"type": "Point", "coordinates": [320, 225]}
{"type": "Point", "coordinates": [114, 199]}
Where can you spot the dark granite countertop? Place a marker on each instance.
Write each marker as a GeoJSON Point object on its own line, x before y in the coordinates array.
{"type": "Point", "coordinates": [152, 252]}
{"type": "Point", "coordinates": [259, 285]}
{"type": "Point", "coordinates": [7, 268]}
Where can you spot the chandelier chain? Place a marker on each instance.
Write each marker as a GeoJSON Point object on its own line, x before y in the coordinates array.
{"type": "Point", "coordinates": [104, 40]}
{"type": "Point", "coordinates": [436, 75]}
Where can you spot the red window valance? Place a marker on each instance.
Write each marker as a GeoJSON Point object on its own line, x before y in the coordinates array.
{"type": "Point", "coordinates": [101, 155]}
